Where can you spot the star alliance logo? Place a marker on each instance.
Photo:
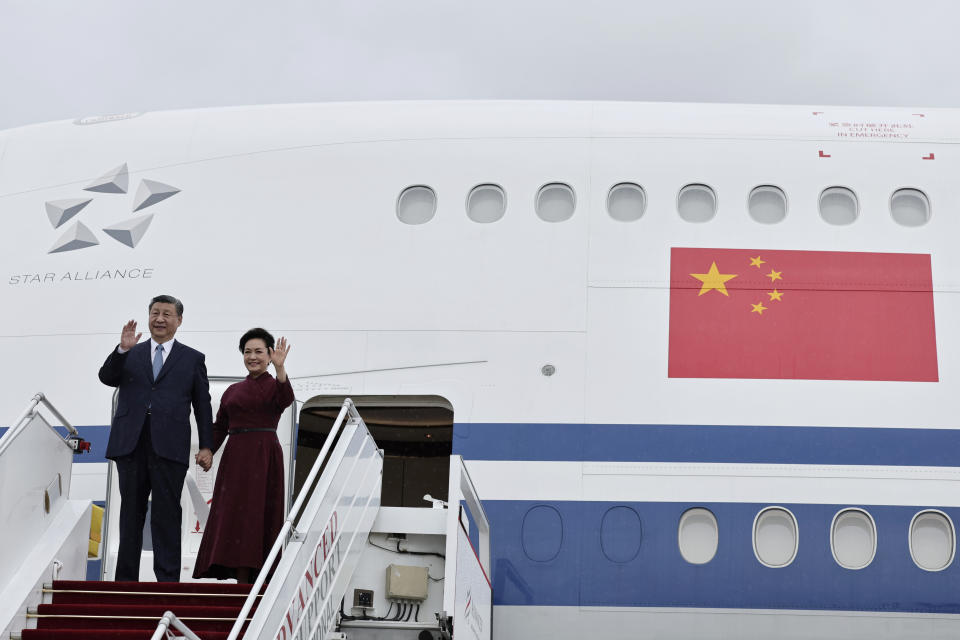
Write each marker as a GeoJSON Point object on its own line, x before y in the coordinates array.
{"type": "Point", "coordinates": [128, 231]}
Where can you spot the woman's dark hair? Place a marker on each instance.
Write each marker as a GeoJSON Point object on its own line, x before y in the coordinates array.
{"type": "Point", "coordinates": [255, 334]}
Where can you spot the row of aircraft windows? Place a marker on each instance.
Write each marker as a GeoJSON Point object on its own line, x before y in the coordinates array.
{"type": "Point", "coordinates": [627, 202]}
{"type": "Point", "coordinates": [853, 538]}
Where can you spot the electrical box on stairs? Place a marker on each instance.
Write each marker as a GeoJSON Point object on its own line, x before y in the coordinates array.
{"type": "Point", "coordinates": [406, 583]}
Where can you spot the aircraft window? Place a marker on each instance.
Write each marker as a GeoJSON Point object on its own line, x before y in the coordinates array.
{"type": "Point", "coordinates": [486, 203]}
{"type": "Point", "coordinates": [541, 533]}
{"type": "Point", "coordinates": [416, 205]}
{"type": "Point", "coordinates": [626, 202]}
{"type": "Point", "coordinates": [698, 536]}
{"type": "Point", "coordinates": [767, 204]}
{"type": "Point", "coordinates": [775, 537]}
{"type": "Point", "coordinates": [932, 540]}
{"type": "Point", "coordinates": [697, 203]}
{"type": "Point", "coordinates": [910, 207]}
{"type": "Point", "coordinates": [853, 538]}
{"type": "Point", "coordinates": [838, 205]}
{"type": "Point", "coordinates": [555, 202]}
{"type": "Point", "coordinates": [620, 534]}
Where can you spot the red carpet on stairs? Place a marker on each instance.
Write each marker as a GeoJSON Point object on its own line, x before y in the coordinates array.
{"type": "Point", "coordinates": [86, 634]}
{"type": "Point", "coordinates": [121, 610]}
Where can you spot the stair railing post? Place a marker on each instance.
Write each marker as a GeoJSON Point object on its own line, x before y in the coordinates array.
{"type": "Point", "coordinates": [168, 620]}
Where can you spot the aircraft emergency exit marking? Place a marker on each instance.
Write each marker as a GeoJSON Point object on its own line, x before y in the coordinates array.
{"type": "Point", "coordinates": [713, 279]}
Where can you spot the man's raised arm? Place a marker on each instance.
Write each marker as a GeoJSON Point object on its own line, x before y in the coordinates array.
{"type": "Point", "coordinates": [111, 373]}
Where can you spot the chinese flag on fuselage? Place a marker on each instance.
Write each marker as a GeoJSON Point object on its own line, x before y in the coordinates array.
{"type": "Point", "coordinates": [814, 315]}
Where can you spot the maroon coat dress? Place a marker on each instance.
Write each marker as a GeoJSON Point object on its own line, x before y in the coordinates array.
{"type": "Point", "coordinates": [247, 509]}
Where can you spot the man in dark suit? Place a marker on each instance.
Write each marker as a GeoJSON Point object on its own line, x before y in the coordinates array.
{"type": "Point", "coordinates": [150, 434]}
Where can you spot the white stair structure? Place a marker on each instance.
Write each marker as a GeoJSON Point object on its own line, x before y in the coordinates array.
{"type": "Point", "coordinates": [338, 546]}
{"type": "Point", "coordinates": [44, 534]}
{"type": "Point", "coordinates": [330, 544]}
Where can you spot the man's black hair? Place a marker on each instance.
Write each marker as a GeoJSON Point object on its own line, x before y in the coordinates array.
{"type": "Point", "coordinates": [168, 300]}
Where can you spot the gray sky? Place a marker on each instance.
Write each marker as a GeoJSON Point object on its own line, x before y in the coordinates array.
{"type": "Point", "coordinates": [73, 58]}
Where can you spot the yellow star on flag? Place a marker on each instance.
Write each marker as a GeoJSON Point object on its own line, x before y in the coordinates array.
{"type": "Point", "coordinates": [774, 275]}
{"type": "Point", "coordinates": [756, 262]}
{"type": "Point", "coordinates": [758, 308]}
{"type": "Point", "coordinates": [713, 279]}
{"type": "Point", "coordinates": [775, 295]}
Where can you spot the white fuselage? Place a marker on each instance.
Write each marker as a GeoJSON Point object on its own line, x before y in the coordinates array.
{"type": "Point", "coordinates": [287, 217]}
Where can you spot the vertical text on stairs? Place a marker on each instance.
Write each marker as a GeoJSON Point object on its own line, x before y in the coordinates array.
{"type": "Point", "coordinates": [313, 588]}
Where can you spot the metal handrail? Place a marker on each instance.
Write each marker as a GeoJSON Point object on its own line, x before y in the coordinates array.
{"type": "Point", "coordinates": [166, 621]}
{"type": "Point", "coordinates": [28, 414]}
{"type": "Point", "coordinates": [279, 543]}
{"type": "Point", "coordinates": [352, 497]}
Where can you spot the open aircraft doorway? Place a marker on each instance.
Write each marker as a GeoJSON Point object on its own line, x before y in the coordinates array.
{"type": "Point", "coordinates": [415, 433]}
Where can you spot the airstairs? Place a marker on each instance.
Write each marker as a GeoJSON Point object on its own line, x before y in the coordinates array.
{"type": "Point", "coordinates": [337, 547]}
{"type": "Point", "coordinates": [44, 534]}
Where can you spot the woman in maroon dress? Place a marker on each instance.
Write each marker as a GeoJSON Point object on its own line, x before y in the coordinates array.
{"type": "Point", "coordinates": [247, 510]}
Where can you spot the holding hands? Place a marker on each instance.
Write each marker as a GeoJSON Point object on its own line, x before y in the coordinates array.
{"type": "Point", "coordinates": [204, 458]}
{"type": "Point", "coordinates": [129, 336]}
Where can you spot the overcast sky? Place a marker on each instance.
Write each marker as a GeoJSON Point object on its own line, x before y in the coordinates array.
{"type": "Point", "coordinates": [72, 58]}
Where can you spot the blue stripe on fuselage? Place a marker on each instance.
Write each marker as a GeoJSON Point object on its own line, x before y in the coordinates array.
{"type": "Point", "coordinates": [694, 443]}
{"type": "Point", "coordinates": [582, 574]}
{"type": "Point", "coordinates": [680, 443]}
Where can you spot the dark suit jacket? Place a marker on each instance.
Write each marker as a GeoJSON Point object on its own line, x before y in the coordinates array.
{"type": "Point", "coordinates": [182, 382]}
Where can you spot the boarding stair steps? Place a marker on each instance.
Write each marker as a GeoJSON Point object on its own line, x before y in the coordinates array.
{"type": "Point", "coordinates": [310, 578]}
{"type": "Point", "coordinates": [77, 610]}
